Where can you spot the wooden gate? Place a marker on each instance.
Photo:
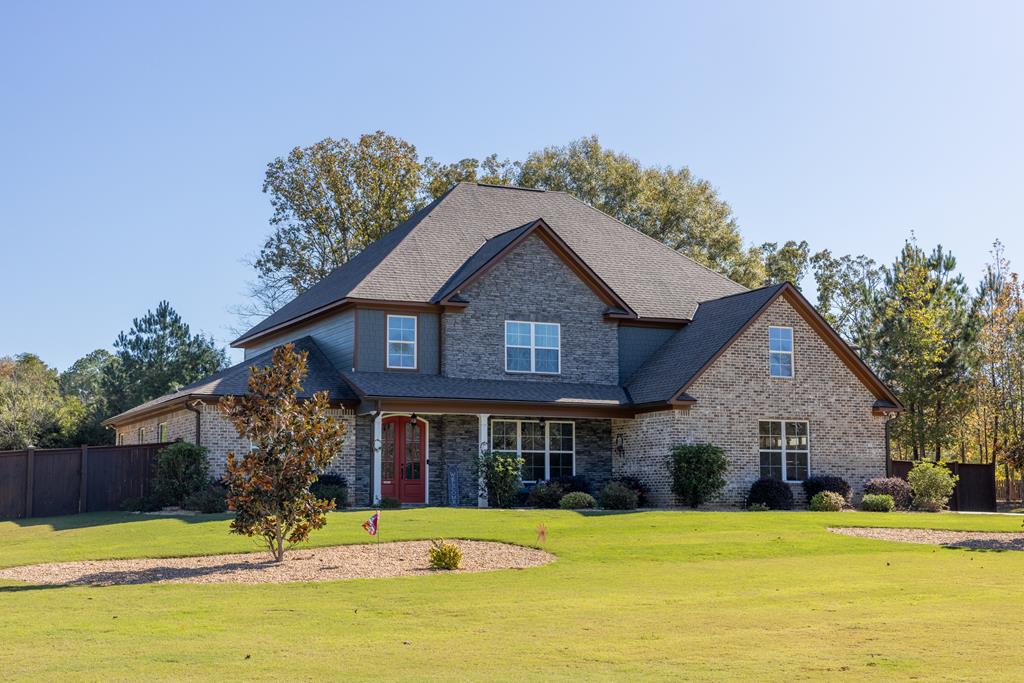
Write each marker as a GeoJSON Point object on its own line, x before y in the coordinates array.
{"type": "Point", "coordinates": [975, 490]}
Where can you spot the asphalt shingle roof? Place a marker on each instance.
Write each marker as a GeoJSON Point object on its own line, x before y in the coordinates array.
{"type": "Point", "coordinates": [418, 259]}
{"type": "Point", "coordinates": [234, 381]}
{"type": "Point", "coordinates": [681, 357]}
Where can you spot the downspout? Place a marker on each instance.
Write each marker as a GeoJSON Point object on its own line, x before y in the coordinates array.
{"type": "Point", "coordinates": [889, 417]}
{"type": "Point", "coordinates": [199, 417]}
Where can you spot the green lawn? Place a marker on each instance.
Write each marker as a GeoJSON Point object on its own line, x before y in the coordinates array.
{"type": "Point", "coordinates": [672, 595]}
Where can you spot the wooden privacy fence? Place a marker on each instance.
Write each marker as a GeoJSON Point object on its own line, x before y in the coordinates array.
{"type": "Point", "coordinates": [43, 482]}
{"type": "Point", "coordinates": [975, 491]}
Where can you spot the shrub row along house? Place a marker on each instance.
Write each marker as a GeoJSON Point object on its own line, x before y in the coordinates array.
{"type": "Point", "coordinates": [526, 321]}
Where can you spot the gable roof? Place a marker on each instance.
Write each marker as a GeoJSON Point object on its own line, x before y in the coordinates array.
{"type": "Point", "coordinates": [672, 369]}
{"type": "Point", "coordinates": [234, 381]}
{"type": "Point", "coordinates": [420, 258]}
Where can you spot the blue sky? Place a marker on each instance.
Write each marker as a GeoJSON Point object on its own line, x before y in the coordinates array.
{"type": "Point", "coordinates": [134, 136]}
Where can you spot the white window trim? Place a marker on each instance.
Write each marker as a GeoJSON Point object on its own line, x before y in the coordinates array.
{"type": "Point", "coordinates": [533, 348]}
{"type": "Point", "coordinates": [140, 435]}
{"type": "Point", "coordinates": [547, 443]}
{"type": "Point", "coordinates": [160, 429]}
{"type": "Point", "coordinates": [760, 450]}
{"type": "Point", "coordinates": [792, 357]}
{"type": "Point", "coordinates": [414, 342]}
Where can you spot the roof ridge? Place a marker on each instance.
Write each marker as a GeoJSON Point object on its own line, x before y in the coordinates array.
{"type": "Point", "coordinates": [749, 291]}
{"type": "Point", "coordinates": [504, 187]}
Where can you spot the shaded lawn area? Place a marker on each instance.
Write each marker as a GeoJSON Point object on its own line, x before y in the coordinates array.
{"type": "Point", "coordinates": [671, 595]}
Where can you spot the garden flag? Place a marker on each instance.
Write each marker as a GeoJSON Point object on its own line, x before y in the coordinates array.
{"type": "Point", "coordinates": [371, 524]}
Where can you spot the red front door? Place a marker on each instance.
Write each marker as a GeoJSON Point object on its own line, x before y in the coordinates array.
{"type": "Point", "coordinates": [403, 459]}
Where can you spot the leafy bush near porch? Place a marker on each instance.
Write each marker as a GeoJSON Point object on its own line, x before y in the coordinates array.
{"type": "Point", "coordinates": [576, 482]}
{"type": "Point", "coordinates": [898, 488]}
{"type": "Point", "coordinates": [577, 500]}
{"type": "Point", "coordinates": [877, 502]}
{"type": "Point", "coordinates": [389, 503]}
{"type": "Point", "coordinates": [181, 470]}
{"type": "Point", "coordinates": [331, 487]}
{"type": "Point", "coordinates": [148, 503]}
{"type": "Point", "coordinates": [636, 486]}
{"type": "Point", "coordinates": [545, 494]}
{"type": "Point", "coordinates": [815, 485]}
{"type": "Point", "coordinates": [698, 472]}
{"type": "Point", "coordinates": [500, 473]}
{"type": "Point", "coordinates": [444, 555]}
{"type": "Point", "coordinates": [931, 484]}
{"type": "Point", "coordinates": [209, 500]}
{"type": "Point", "coordinates": [617, 496]}
{"type": "Point", "coordinates": [772, 493]}
{"type": "Point", "coordinates": [827, 501]}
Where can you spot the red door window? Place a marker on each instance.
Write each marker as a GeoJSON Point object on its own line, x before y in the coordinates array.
{"type": "Point", "coordinates": [403, 465]}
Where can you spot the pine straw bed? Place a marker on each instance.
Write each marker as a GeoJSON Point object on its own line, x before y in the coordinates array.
{"type": "Point", "coordinates": [400, 558]}
{"type": "Point", "coordinates": [973, 540]}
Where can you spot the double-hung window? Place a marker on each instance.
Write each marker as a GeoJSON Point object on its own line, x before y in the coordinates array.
{"type": "Point", "coordinates": [784, 448]}
{"type": "Point", "coordinates": [402, 342]}
{"type": "Point", "coordinates": [780, 351]}
{"type": "Point", "coordinates": [533, 347]}
{"type": "Point", "coordinates": [162, 433]}
{"type": "Point", "coordinates": [140, 435]}
{"type": "Point", "coordinates": [548, 449]}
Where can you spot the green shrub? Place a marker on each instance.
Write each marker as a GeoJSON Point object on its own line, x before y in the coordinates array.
{"type": "Point", "coordinates": [931, 484]}
{"type": "Point", "coordinates": [813, 485]}
{"type": "Point", "coordinates": [898, 488]}
{"type": "Point", "coordinates": [444, 555]}
{"type": "Point", "coordinates": [698, 472]}
{"type": "Point", "coordinates": [181, 470]}
{"type": "Point", "coordinates": [331, 487]}
{"type": "Point", "coordinates": [150, 503]}
{"type": "Point", "coordinates": [758, 507]}
{"type": "Point", "coordinates": [772, 493]}
{"type": "Point", "coordinates": [500, 475]}
{"type": "Point", "coordinates": [617, 496]}
{"type": "Point", "coordinates": [576, 482]}
{"type": "Point", "coordinates": [545, 494]}
{"type": "Point", "coordinates": [577, 500]}
{"type": "Point", "coordinates": [827, 501]}
{"type": "Point", "coordinates": [389, 503]}
{"type": "Point", "coordinates": [877, 502]}
{"type": "Point", "coordinates": [210, 500]}
{"type": "Point", "coordinates": [637, 486]}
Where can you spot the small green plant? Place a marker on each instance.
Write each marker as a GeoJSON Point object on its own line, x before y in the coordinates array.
{"type": "Point", "coordinates": [827, 501]}
{"type": "Point", "coordinates": [150, 503]}
{"type": "Point", "coordinates": [772, 493]}
{"type": "Point", "coordinates": [758, 507]}
{"type": "Point", "coordinates": [389, 503]}
{"type": "Point", "coordinates": [545, 494]}
{"type": "Point", "coordinates": [210, 500]}
{"type": "Point", "coordinates": [813, 485]}
{"type": "Point", "coordinates": [877, 502]}
{"type": "Point", "coordinates": [444, 555]}
{"type": "Point", "coordinates": [892, 486]}
{"type": "Point", "coordinates": [931, 484]}
{"type": "Point", "coordinates": [617, 496]}
{"type": "Point", "coordinates": [181, 470]}
{"type": "Point", "coordinates": [500, 477]}
{"type": "Point", "coordinates": [577, 500]}
{"type": "Point", "coordinates": [698, 472]}
{"type": "Point", "coordinates": [636, 485]}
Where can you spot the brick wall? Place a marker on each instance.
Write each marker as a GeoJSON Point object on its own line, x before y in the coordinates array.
{"type": "Point", "coordinates": [736, 392]}
{"type": "Point", "coordinates": [530, 284]}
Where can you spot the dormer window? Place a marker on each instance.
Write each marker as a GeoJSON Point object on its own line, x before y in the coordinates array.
{"type": "Point", "coordinates": [533, 347]}
{"type": "Point", "coordinates": [780, 351]}
{"type": "Point", "coordinates": [402, 342]}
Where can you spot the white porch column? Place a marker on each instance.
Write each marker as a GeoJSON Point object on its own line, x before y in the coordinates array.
{"type": "Point", "coordinates": [484, 444]}
{"type": "Point", "coordinates": [378, 444]}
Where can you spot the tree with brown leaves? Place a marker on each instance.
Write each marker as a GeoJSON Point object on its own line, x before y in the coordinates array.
{"type": "Point", "coordinates": [292, 441]}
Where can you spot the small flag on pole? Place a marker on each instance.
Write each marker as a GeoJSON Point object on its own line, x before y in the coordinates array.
{"type": "Point", "coordinates": [371, 524]}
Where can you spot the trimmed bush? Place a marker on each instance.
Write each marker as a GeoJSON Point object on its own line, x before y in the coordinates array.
{"type": "Point", "coordinates": [758, 507]}
{"type": "Point", "coordinates": [577, 500]}
{"type": "Point", "coordinates": [931, 484]}
{"type": "Point", "coordinates": [148, 503]}
{"type": "Point", "coordinates": [815, 485]}
{"type": "Point", "coordinates": [331, 487]}
{"type": "Point", "coordinates": [576, 482]}
{"type": "Point", "coordinates": [617, 496]}
{"type": "Point", "coordinates": [211, 500]}
{"type": "Point", "coordinates": [181, 470]}
{"type": "Point", "coordinates": [827, 501]}
{"type": "Point", "coordinates": [500, 477]}
{"type": "Point", "coordinates": [388, 503]}
{"type": "Point", "coordinates": [444, 555]}
{"type": "Point", "coordinates": [772, 493]}
{"type": "Point", "coordinates": [698, 472]}
{"type": "Point", "coordinates": [877, 502]}
{"type": "Point", "coordinates": [898, 488]}
{"type": "Point", "coordinates": [637, 486]}
{"type": "Point", "coordinates": [545, 494]}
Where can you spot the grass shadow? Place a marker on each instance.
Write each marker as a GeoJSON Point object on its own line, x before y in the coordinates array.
{"type": "Point", "coordinates": [91, 519]}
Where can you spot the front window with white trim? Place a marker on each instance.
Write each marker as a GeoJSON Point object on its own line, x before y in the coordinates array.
{"type": "Point", "coordinates": [780, 351]}
{"type": "Point", "coordinates": [402, 342]}
{"type": "Point", "coordinates": [533, 347]}
{"type": "Point", "coordinates": [785, 449]}
{"type": "Point", "coordinates": [548, 449]}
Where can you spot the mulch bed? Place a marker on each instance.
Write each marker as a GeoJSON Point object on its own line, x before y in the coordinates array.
{"type": "Point", "coordinates": [975, 540]}
{"type": "Point", "coordinates": [401, 558]}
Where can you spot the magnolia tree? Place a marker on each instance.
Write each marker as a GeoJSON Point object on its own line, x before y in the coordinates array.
{"type": "Point", "coordinates": [292, 441]}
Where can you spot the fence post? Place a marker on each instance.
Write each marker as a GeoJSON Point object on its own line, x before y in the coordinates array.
{"type": "Point", "coordinates": [84, 480]}
{"type": "Point", "coordinates": [957, 486]}
{"type": "Point", "coordinates": [30, 464]}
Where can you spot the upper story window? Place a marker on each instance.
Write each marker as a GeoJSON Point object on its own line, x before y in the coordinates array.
{"type": "Point", "coordinates": [402, 342]}
{"type": "Point", "coordinates": [163, 435]}
{"type": "Point", "coordinates": [120, 439]}
{"type": "Point", "coordinates": [533, 347]}
{"type": "Point", "coordinates": [780, 351]}
{"type": "Point", "coordinates": [140, 435]}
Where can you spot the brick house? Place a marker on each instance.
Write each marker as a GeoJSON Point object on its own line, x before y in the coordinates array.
{"type": "Point", "coordinates": [526, 321]}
